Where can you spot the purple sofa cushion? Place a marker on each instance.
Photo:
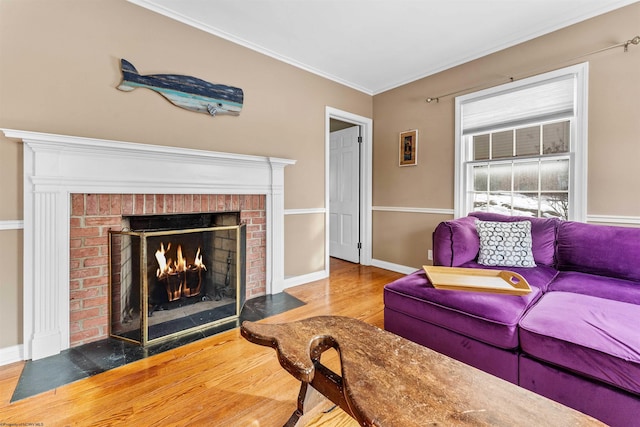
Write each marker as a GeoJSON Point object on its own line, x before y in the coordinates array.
{"type": "Point", "coordinates": [543, 234]}
{"type": "Point", "coordinates": [599, 249]}
{"type": "Point", "coordinates": [597, 286]}
{"type": "Point", "coordinates": [594, 337]}
{"type": "Point", "coordinates": [486, 317]}
{"type": "Point", "coordinates": [455, 242]}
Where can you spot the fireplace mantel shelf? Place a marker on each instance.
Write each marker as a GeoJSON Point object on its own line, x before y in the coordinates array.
{"type": "Point", "coordinates": [55, 166]}
{"type": "Point", "coordinates": [105, 166]}
{"type": "Point", "coordinates": [82, 144]}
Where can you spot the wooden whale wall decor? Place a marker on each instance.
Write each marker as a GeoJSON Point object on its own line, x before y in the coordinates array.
{"type": "Point", "coordinates": [186, 92]}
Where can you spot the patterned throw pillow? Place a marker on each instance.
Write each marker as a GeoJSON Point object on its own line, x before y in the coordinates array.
{"type": "Point", "coordinates": [505, 243]}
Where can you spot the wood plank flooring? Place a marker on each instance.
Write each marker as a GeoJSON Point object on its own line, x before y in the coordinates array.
{"type": "Point", "coordinates": [218, 381]}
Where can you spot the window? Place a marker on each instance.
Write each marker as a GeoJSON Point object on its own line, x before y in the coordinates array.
{"type": "Point", "coordinates": [521, 171]}
{"type": "Point", "coordinates": [521, 147]}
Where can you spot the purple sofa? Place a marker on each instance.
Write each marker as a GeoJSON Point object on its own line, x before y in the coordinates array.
{"type": "Point", "coordinates": [575, 338]}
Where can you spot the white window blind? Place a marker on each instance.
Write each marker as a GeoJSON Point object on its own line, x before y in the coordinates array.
{"type": "Point", "coordinates": [550, 100]}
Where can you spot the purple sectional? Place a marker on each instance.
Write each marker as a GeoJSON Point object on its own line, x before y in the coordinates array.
{"type": "Point", "coordinates": [575, 338]}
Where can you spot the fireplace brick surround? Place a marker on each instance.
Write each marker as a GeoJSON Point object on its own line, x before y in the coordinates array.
{"type": "Point", "coordinates": [92, 215]}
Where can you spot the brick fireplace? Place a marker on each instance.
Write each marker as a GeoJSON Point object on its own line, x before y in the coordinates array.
{"type": "Point", "coordinates": [60, 172]}
{"type": "Point", "coordinates": [92, 215]}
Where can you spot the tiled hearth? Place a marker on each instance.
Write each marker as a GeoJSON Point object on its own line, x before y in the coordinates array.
{"type": "Point", "coordinates": [92, 215]}
{"type": "Point", "coordinates": [99, 356]}
{"type": "Point", "coordinates": [57, 166]}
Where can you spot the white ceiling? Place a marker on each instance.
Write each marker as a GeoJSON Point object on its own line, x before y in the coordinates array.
{"type": "Point", "coordinates": [376, 45]}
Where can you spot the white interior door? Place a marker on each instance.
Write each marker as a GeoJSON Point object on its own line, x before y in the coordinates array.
{"type": "Point", "coordinates": [344, 194]}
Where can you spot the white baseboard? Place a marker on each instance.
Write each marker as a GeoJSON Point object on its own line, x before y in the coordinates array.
{"type": "Point", "coordinates": [305, 278]}
{"type": "Point", "coordinates": [393, 267]}
{"type": "Point", "coordinates": [11, 354]}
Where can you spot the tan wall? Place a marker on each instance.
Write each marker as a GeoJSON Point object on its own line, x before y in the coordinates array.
{"type": "Point", "coordinates": [59, 66]}
{"type": "Point", "coordinates": [11, 175]}
{"type": "Point", "coordinates": [404, 238]}
{"type": "Point", "coordinates": [10, 286]}
{"type": "Point", "coordinates": [304, 240]}
{"type": "Point", "coordinates": [614, 130]}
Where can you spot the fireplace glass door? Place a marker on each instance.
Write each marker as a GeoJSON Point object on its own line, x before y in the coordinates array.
{"type": "Point", "coordinates": [167, 283]}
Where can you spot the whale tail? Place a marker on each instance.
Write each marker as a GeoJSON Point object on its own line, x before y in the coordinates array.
{"type": "Point", "coordinates": [127, 69]}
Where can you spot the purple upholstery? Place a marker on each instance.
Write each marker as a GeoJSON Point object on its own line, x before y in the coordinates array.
{"type": "Point", "coordinates": [499, 362]}
{"type": "Point", "coordinates": [486, 317]}
{"type": "Point", "coordinates": [574, 339]}
{"type": "Point", "coordinates": [594, 337]}
{"type": "Point", "coordinates": [459, 242]}
{"type": "Point", "coordinates": [597, 286]}
{"type": "Point", "coordinates": [599, 249]}
{"type": "Point", "coordinates": [610, 405]}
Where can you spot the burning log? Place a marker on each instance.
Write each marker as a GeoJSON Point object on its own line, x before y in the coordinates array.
{"type": "Point", "coordinates": [179, 278]}
{"type": "Point", "coordinates": [194, 276]}
{"type": "Point", "coordinates": [174, 283]}
{"type": "Point", "coordinates": [193, 282]}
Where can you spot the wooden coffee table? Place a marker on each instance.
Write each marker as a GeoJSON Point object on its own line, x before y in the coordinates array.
{"type": "Point", "coordinates": [387, 380]}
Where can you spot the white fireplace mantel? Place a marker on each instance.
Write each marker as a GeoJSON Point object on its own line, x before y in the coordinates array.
{"type": "Point", "coordinates": [55, 166]}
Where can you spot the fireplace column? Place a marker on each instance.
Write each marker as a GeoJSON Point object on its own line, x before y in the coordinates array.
{"type": "Point", "coordinates": [275, 226]}
{"type": "Point", "coordinates": [46, 260]}
{"type": "Point", "coordinates": [51, 304]}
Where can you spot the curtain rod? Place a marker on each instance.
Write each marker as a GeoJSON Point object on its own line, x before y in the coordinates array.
{"type": "Point", "coordinates": [635, 41]}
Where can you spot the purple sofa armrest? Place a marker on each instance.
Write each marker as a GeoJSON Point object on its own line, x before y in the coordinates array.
{"type": "Point", "coordinates": [455, 242]}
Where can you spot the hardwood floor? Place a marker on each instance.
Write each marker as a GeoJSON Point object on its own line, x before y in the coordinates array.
{"type": "Point", "coordinates": [219, 381]}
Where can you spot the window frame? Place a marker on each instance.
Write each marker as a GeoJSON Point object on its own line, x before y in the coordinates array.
{"type": "Point", "coordinates": [577, 146]}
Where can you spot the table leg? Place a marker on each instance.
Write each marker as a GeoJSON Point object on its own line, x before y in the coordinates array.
{"type": "Point", "coordinates": [310, 403]}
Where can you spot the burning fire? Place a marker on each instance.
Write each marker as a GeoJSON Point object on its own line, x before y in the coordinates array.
{"type": "Point", "coordinates": [180, 278]}
{"type": "Point", "coordinates": [198, 260]}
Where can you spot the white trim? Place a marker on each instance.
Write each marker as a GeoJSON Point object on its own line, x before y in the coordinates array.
{"type": "Point", "coordinates": [11, 224]}
{"type": "Point", "coordinates": [320, 275]}
{"type": "Point", "coordinates": [242, 42]}
{"type": "Point", "coordinates": [605, 219]}
{"type": "Point", "coordinates": [393, 267]}
{"type": "Point", "coordinates": [614, 219]}
{"type": "Point", "coordinates": [12, 354]}
{"type": "Point", "coordinates": [507, 43]}
{"type": "Point", "coordinates": [579, 148]}
{"type": "Point", "coordinates": [459, 196]}
{"type": "Point", "coordinates": [305, 278]}
{"type": "Point", "coordinates": [580, 178]}
{"type": "Point", "coordinates": [433, 211]}
{"type": "Point", "coordinates": [307, 211]}
{"type": "Point", "coordinates": [366, 179]}
{"type": "Point", "coordinates": [586, 14]}
{"type": "Point", "coordinates": [55, 166]}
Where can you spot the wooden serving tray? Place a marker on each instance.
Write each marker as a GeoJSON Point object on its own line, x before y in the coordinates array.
{"type": "Point", "coordinates": [477, 280]}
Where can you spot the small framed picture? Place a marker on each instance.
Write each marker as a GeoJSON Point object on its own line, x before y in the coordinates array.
{"type": "Point", "coordinates": [409, 148]}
